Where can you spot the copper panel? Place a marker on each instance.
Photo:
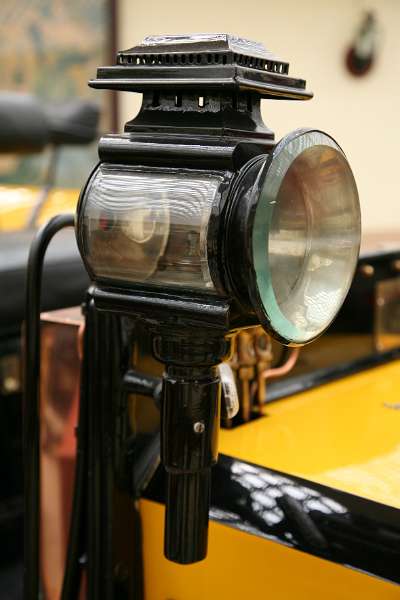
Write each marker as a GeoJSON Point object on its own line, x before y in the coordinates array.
{"type": "Point", "coordinates": [59, 398]}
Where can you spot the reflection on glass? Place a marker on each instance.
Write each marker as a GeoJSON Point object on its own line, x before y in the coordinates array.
{"type": "Point", "coordinates": [150, 226]}
{"type": "Point", "coordinates": [309, 206]}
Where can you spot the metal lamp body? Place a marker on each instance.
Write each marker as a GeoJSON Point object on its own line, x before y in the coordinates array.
{"type": "Point", "coordinates": [179, 296]}
{"type": "Point", "coordinates": [232, 234]}
{"type": "Point", "coordinates": [165, 225]}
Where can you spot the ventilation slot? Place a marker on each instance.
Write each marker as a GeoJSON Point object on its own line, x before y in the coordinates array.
{"type": "Point", "coordinates": [203, 59]}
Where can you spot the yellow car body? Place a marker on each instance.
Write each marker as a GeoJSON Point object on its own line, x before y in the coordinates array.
{"type": "Point", "coordinates": [18, 201]}
{"type": "Point", "coordinates": [344, 435]}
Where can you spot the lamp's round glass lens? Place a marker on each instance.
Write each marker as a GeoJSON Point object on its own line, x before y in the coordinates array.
{"type": "Point", "coordinates": [306, 235]}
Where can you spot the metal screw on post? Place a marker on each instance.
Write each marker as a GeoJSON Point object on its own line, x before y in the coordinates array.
{"type": "Point", "coordinates": [199, 427]}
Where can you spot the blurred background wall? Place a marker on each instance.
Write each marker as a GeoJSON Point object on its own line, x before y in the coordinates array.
{"type": "Point", "coordinates": [363, 113]}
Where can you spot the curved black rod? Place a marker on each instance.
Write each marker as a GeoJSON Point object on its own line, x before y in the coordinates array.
{"type": "Point", "coordinates": [31, 409]}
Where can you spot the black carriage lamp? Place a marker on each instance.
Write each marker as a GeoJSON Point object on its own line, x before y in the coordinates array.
{"type": "Point", "coordinates": [197, 223]}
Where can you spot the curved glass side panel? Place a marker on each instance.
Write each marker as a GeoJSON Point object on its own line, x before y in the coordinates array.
{"type": "Point", "coordinates": [150, 226]}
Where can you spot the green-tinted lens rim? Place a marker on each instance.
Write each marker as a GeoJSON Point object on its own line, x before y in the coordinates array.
{"type": "Point", "coordinates": [271, 178]}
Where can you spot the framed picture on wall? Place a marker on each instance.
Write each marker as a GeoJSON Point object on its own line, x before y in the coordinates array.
{"type": "Point", "coordinates": [51, 48]}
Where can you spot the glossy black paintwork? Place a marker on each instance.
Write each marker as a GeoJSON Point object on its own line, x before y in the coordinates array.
{"type": "Point", "coordinates": [224, 115]}
{"type": "Point", "coordinates": [187, 402]}
{"type": "Point", "coordinates": [165, 309]}
{"type": "Point", "coordinates": [209, 64]}
{"type": "Point", "coordinates": [114, 567]}
{"type": "Point", "coordinates": [237, 235]}
{"type": "Point", "coordinates": [196, 151]}
{"type": "Point", "coordinates": [304, 515]}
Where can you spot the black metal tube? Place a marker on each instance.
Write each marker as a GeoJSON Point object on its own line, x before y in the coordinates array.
{"type": "Point", "coordinates": [31, 409]}
{"type": "Point", "coordinates": [190, 415]}
{"type": "Point", "coordinates": [189, 442]}
{"type": "Point", "coordinates": [186, 516]}
{"type": "Point", "coordinates": [141, 383]}
{"type": "Point", "coordinates": [104, 372]}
